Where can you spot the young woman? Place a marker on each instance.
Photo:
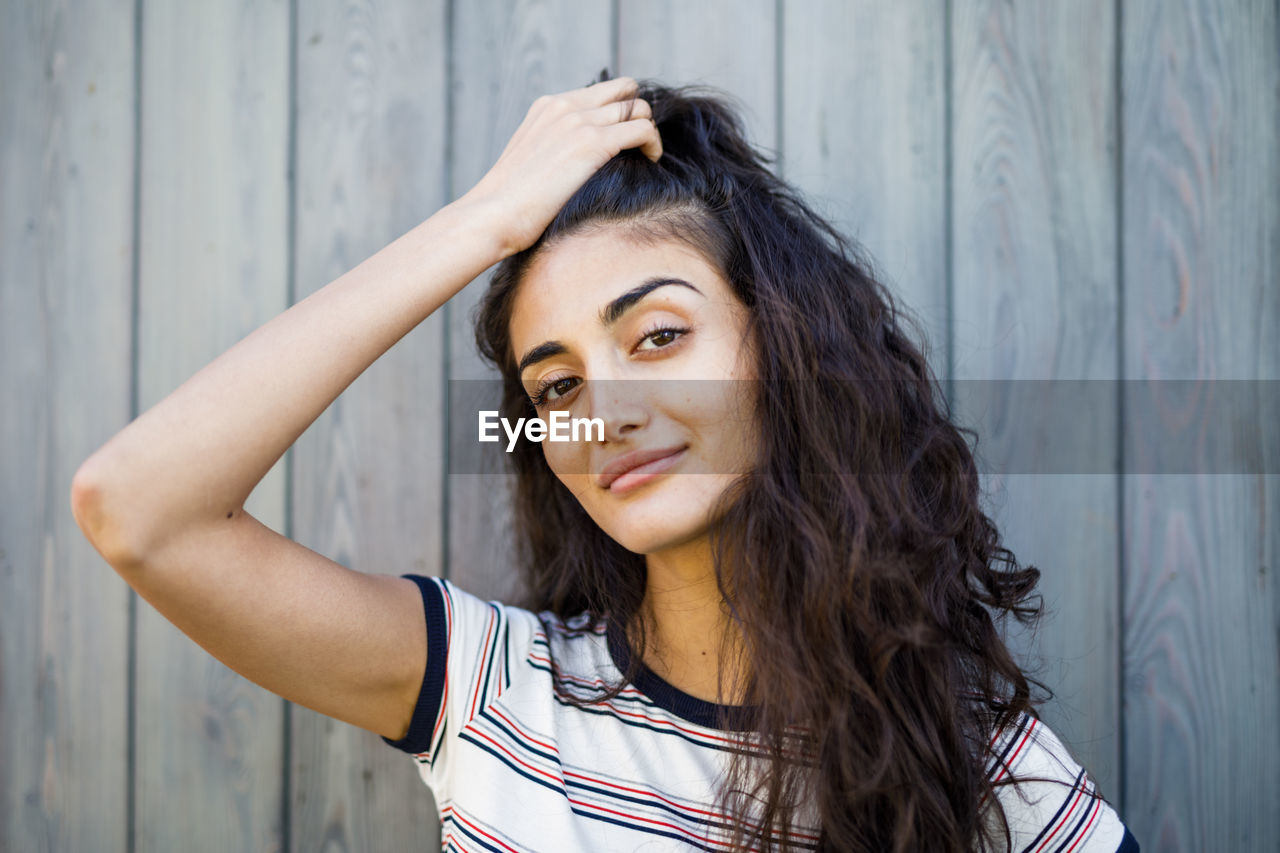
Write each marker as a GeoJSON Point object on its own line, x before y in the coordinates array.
{"type": "Point", "coordinates": [759, 602]}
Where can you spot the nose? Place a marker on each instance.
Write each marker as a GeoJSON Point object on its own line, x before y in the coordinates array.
{"type": "Point", "coordinates": [619, 403]}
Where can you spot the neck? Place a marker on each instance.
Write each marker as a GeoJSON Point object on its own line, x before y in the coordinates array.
{"type": "Point", "coordinates": [686, 621]}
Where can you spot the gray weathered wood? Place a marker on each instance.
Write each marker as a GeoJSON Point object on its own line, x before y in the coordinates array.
{"type": "Point", "coordinates": [505, 54]}
{"type": "Point", "coordinates": [1201, 302]}
{"type": "Point", "coordinates": [66, 201]}
{"type": "Point", "coordinates": [367, 488]}
{"type": "Point", "coordinates": [1035, 293]}
{"type": "Point", "coordinates": [213, 266]}
{"type": "Point", "coordinates": [864, 137]}
{"type": "Point", "coordinates": [729, 44]}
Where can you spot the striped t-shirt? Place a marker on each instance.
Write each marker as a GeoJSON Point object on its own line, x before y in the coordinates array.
{"type": "Point", "coordinates": [515, 767]}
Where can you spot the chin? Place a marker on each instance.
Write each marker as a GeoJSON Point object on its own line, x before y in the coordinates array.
{"type": "Point", "coordinates": [663, 518]}
{"type": "Point", "coordinates": [653, 541]}
{"type": "Point", "coordinates": [645, 529]}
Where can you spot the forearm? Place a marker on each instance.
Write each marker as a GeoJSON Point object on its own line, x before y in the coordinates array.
{"type": "Point", "coordinates": [196, 455]}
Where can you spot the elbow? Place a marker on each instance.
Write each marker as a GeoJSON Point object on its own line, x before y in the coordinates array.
{"type": "Point", "coordinates": [88, 507]}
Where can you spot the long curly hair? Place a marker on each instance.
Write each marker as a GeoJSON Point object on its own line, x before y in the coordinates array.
{"type": "Point", "coordinates": [855, 559]}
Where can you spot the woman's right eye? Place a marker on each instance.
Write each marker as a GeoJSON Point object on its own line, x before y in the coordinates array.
{"type": "Point", "coordinates": [540, 396]}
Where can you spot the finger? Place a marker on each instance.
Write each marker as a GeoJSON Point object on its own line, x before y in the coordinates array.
{"type": "Point", "coordinates": [639, 133]}
{"type": "Point", "coordinates": [652, 148]}
{"type": "Point", "coordinates": [603, 93]}
{"type": "Point", "coordinates": [618, 111]}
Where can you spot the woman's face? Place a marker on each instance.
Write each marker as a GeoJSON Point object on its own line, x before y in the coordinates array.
{"type": "Point", "coordinates": [650, 339]}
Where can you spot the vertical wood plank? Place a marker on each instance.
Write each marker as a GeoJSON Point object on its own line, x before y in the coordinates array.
{"type": "Point", "coordinates": [367, 475]}
{"type": "Point", "coordinates": [730, 44]}
{"type": "Point", "coordinates": [1035, 296]}
{"type": "Point", "coordinates": [505, 54]}
{"type": "Point", "coordinates": [213, 267]}
{"type": "Point", "coordinates": [67, 107]}
{"type": "Point", "coordinates": [1201, 304]}
{"type": "Point", "coordinates": [864, 137]}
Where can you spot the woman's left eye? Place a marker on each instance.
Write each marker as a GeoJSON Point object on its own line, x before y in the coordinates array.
{"type": "Point", "coordinates": [663, 337]}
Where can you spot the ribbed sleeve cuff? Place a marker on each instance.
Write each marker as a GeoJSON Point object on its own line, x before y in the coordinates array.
{"type": "Point", "coordinates": [1128, 844]}
{"type": "Point", "coordinates": [418, 739]}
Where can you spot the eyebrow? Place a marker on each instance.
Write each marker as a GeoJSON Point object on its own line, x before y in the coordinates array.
{"type": "Point", "coordinates": [609, 315]}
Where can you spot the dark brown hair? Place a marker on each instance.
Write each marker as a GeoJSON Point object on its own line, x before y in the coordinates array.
{"type": "Point", "coordinates": [858, 563]}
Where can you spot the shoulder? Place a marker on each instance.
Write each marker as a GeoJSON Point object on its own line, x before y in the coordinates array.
{"type": "Point", "coordinates": [463, 609]}
{"type": "Point", "coordinates": [1048, 798]}
{"type": "Point", "coordinates": [477, 631]}
{"type": "Point", "coordinates": [475, 648]}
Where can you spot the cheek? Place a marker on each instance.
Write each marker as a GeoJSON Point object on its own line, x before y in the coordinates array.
{"type": "Point", "coordinates": [725, 420]}
{"type": "Point", "coordinates": [569, 462]}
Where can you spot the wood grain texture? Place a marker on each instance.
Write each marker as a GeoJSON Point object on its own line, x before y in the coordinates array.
{"type": "Point", "coordinates": [727, 44]}
{"type": "Point", "coordinates": [1201, 303]}
{"type": "Point", "coordinates": [505, 54]}
{"type": "Point", "coordinates": [212, 268]}
{"type": "Point", "coordinates": [1035, 296]}
{"type": "Point", "coordinates": [66, 200]}
{"type": "Point", "coordinates": [864, 138]}
{"type": "Point", "coordinates": [367, 475]}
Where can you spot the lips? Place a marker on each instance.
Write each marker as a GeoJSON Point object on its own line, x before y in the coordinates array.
{"type": "Point", "coordinates": [632, 460]}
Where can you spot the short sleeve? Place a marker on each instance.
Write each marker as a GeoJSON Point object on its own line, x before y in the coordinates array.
{"type": "Point", "coordinates": [470, 653]}
{"type": "Point", "coordinates": [1053, 804]}
{"type": "Point", "coordinates": [426, 713]}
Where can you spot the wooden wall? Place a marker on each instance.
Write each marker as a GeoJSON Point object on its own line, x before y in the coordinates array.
{"type": "Point", "coordinates": [1061, 191]}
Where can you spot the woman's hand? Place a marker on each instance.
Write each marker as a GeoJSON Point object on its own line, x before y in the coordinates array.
{"type": "Point", "coordinates": [563, 140]}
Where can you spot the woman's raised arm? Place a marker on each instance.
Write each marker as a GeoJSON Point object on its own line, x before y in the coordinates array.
{"type": "Point", "coordinates": [189, 463]}
{"type": "Point", "coordinates": [162, 500]}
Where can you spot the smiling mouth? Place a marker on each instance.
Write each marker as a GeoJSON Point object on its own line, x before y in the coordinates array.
{"type": "Point", "coordinates": [642, 474]}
